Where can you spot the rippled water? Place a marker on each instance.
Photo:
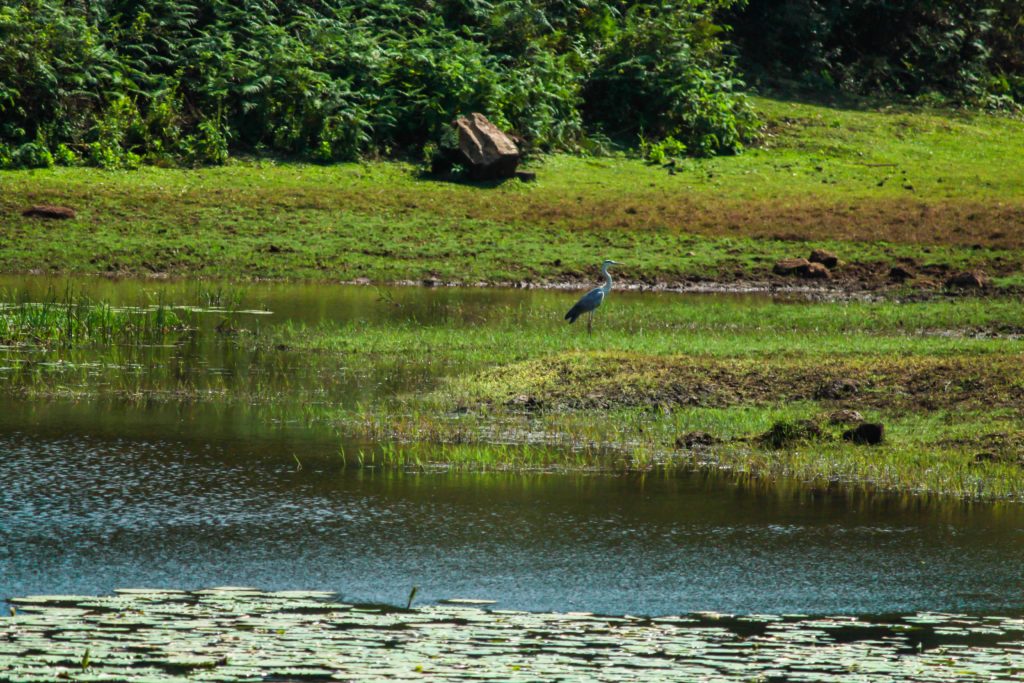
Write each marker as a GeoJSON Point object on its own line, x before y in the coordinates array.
{"type": "Point", "coordinates": [163, 500]}
{"type": "Point", "coordinates": [95, 496]}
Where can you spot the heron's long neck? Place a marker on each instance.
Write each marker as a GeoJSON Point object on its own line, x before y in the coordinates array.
{"type": "Point", "coordinates": [607, 279]}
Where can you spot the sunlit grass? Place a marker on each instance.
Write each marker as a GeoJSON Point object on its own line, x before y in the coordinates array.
{"type": "Point", "coordinates": [874, 186]}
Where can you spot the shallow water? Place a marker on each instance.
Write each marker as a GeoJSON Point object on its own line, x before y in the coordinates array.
{"type": "Point", "coordinates": [100, 495]}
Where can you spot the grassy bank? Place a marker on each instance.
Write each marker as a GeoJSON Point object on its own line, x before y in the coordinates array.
{"type": "Point", "coordinates": [753, 385]}
{"type": "Point", "coordinates": [934, 192]}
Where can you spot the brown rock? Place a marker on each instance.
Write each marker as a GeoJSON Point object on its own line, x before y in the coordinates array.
{"type": "Point", "coordinates": [489, 153]}
{"type": "Point", "coordinates": [801, 267]}
{"type": "Point", "coordinates": [868, 433]}
{"type": "Point", "coordinates": [824, 257]}
{"type": "Point", "coordinates": [974, 279]}
{"type": "Point", "coordinates": [49, 211]}
{"type": "Point", "coordinates": [789, 266]}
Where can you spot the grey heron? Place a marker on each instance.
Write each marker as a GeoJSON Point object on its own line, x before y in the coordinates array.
{"type": "Point", "coordinates": [592, 299]}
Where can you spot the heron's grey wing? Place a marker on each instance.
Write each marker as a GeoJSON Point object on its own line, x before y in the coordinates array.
{"type": "Point", "coordinates": [587, 303]}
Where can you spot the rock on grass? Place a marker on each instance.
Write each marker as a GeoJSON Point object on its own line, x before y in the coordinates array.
{"type": "Point", "coordinates": [49, 211]}
{"type": "Point", "coordinates": [801, 267]}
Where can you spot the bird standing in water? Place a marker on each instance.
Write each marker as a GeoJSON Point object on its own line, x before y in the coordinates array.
{"type": "Point", "coordinates": [592, 299]}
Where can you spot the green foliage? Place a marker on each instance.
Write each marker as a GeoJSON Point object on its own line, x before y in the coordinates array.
{"type": "Point", "coordinates": [65, 156]}
{"type": "Point", "coordinates": [32, 155]}
{"type": "Point", "coordinates": [179, 81]}
{"type": "Point", "coordinates": [114, 130]}
{"type": "Point", "coordinates": [663, 73]}
{"type": "Point", "coordinates": [663, 151]}
{"type": "Point", "coordinates": [967, 50]}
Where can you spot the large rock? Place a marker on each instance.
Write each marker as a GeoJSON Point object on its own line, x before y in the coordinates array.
{"type": "Point", "coordinates": [489, 153]}
{"type": "Point", "coordinates": [790, 266]}
{"type": "Point", "coordinates": [49, 211]}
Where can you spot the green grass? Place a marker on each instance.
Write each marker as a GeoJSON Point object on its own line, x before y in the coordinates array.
{"type": "Point", "coordinates": [938, 189]}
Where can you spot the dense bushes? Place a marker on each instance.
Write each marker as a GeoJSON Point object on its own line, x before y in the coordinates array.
{"type": "Point", "coordinates": [967, 51]}
{"type": "Point", "coordinates": [116, 83]}
{"type": "Point", "coordinates": [119, 82]}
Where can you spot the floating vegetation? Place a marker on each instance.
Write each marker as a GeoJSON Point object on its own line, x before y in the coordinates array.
{"type": "Point", "coordinates": [240, 634]}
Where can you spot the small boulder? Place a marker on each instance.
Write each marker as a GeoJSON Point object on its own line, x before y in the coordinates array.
{"type": "Point", "coordinates": [900, 274]}
{"type": "Point", "coordinates": [49, 211]}
{"type": "Point", "coordinates": [489, 153]}
{"type": "Point", "coordinates": [824, 257]}
{"type": "Point", "coordinates": [801, 267]}
{"type": "Point", "coordinates": [869, 433]}
{"type": "Point", "coordinates": [974, 279]}
{"type": "Point", "coordinates": [790, 266]}
{"type": "Point", "coordinates": [843, 417]}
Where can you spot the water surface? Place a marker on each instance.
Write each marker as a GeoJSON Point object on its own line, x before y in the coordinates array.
{"type": "Point", "coordinates": [96, 495]}
{"type": "Point", "coordinates": [164, 499]}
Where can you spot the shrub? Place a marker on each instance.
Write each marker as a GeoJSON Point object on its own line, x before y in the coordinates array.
{"type": "Point", "coordinates": [32, 155]}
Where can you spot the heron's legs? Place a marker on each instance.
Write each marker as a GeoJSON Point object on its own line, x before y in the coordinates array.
{"type": "Point", "coordinates": [590, 322]}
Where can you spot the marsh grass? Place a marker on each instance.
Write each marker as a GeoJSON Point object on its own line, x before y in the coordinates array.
{"type": "Point", "coordinates": [512, 387]}
{"type": "Point", "coordinates": [932, 453]}
{"type": "Point", "coordinates": [75, 320]}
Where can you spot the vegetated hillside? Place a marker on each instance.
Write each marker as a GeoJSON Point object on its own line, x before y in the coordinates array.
{"type": "Point", "coordinates": [115, 83]}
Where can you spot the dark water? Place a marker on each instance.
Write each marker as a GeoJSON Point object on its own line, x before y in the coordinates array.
{"type": "Point", "coordinates": [163, 499]}
{"type": "Point", "coordinates": [95, 496]}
